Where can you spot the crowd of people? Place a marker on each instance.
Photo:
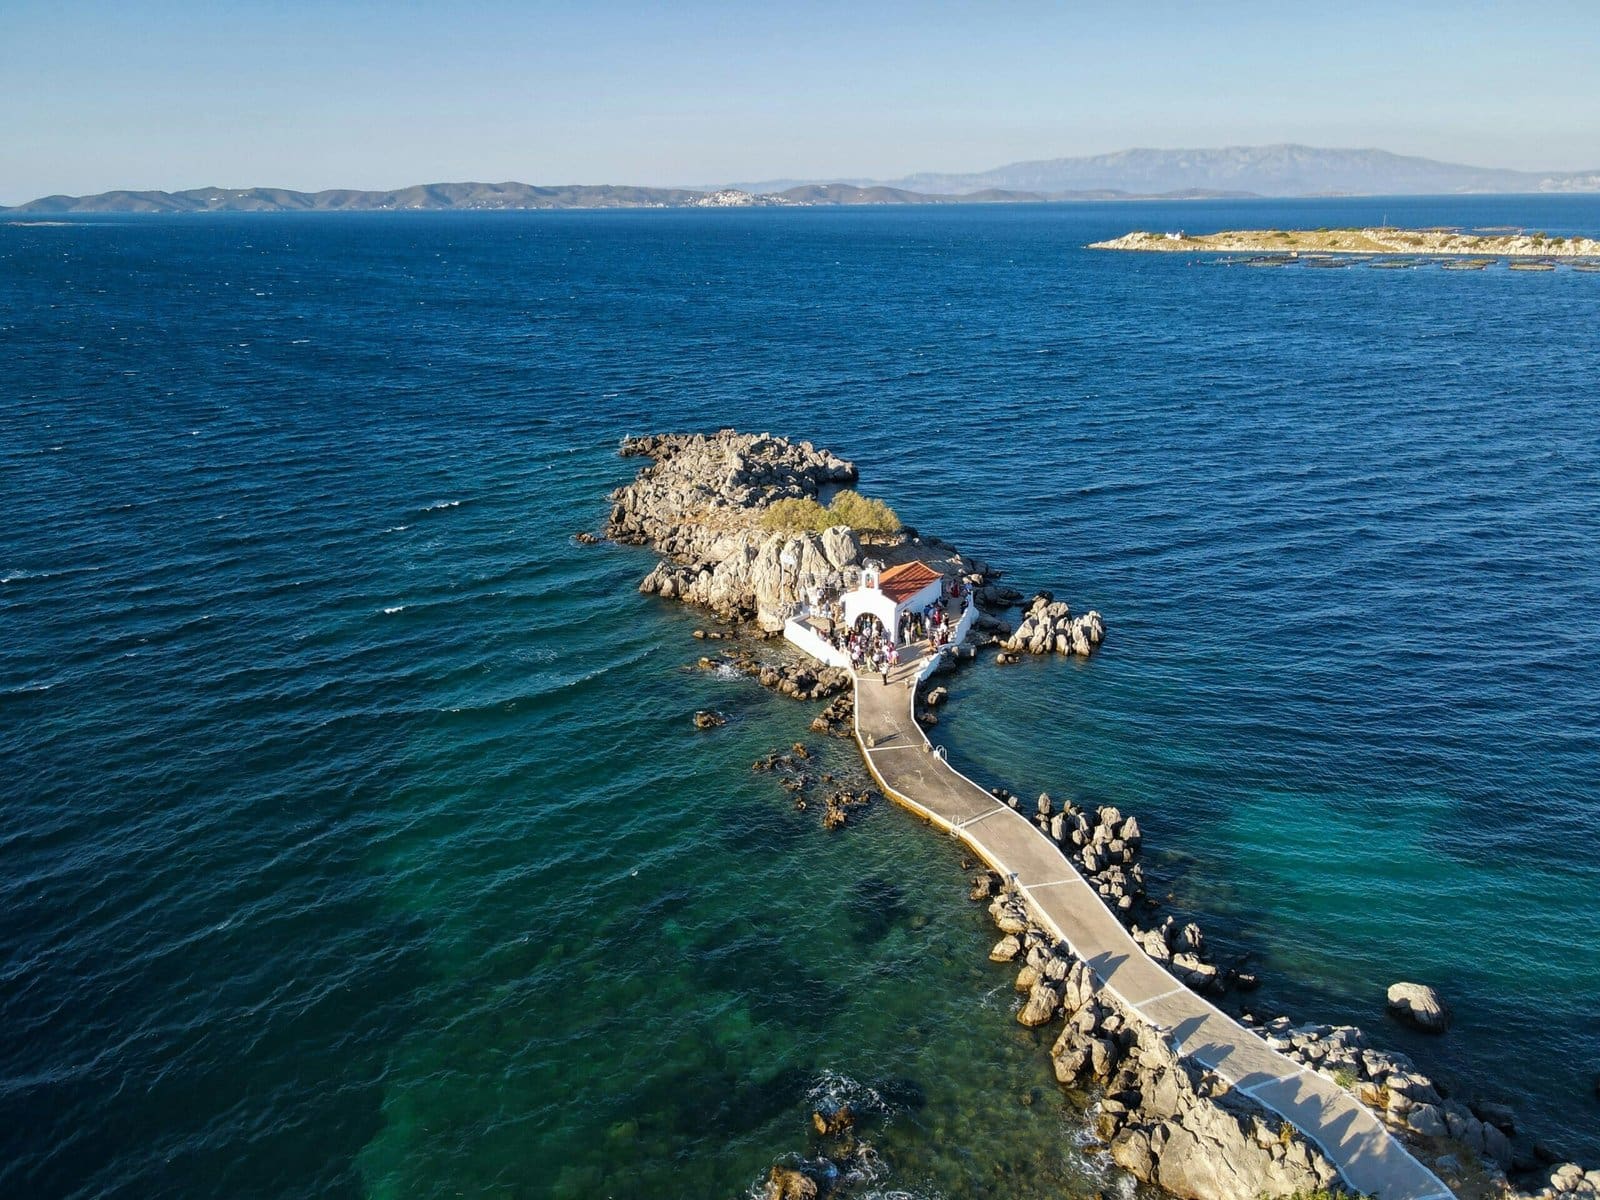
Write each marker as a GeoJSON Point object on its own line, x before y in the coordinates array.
{"type": "Point", "coordinates": [932, 625]}
{"type": "Point", "coordinates": [871, 649]}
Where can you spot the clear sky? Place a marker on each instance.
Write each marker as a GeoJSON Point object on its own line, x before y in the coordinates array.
{"type": "Point", "coordinates": [344, 93]}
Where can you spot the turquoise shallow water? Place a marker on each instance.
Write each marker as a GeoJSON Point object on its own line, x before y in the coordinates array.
{"type": "Point", "coordinates": [357, 839]}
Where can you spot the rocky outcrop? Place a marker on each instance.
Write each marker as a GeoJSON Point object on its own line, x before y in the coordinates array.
{"type": "Point", "coordinates": [840, 804]}
{"type": "Point", "coordinates": [740, 574]}
{"type": "Point", "coordinates": [1419, 1006]}
{"type": "Point", "coordinates": [700, 505]}
{"type": "Point", "coordinates": [1370, 240]}
{"type": "Point", "coordinates": [1564, 1181]}
{"type": "Point", "coordinates": [717, 479]}
{"type": "Point", "coordinates": [788, 677]}
{"type": "Point", "coordinates": [838, 719]}
{"type": "Point", "coordinates": [1049, 626]}
{"type": "Point", "coordinates": [1105, 846]}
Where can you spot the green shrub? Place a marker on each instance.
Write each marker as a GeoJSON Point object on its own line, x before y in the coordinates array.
{"type": "Point", "coordinates": [861, 513]}
{"type": "Point", "coordinates": [796, 516]}
{"type": "Point", "coordinates": [848, 508]}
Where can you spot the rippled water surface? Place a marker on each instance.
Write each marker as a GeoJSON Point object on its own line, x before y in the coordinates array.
{"type": "Point", "coordinates": [357, 841]}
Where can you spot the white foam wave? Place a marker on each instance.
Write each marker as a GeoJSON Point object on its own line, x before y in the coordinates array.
{"type": "Point", "coordinates": [21, 574]}
{"type": "Point", "coordinates": [397, 529]}
{"type": "Point", "coordinates": [395, 609]}
{"type": "Point", "coordinates": [834, 1088]}
{"type": "Point", "coordinates": [442, 504]}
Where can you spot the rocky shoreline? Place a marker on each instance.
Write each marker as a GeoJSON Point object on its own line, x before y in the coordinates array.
{"type": "Point", "coordinates": [1175, 1124]}
{"type": "Point", "coordinates": [1384, 240]}
{"type": "Point", "coordinates": [1161, 1116]}
{"type": "Point", "coordinates": [1143, 1094]}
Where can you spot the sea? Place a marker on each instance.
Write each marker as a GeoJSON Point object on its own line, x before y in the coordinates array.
{"type": "Point", "coordinates": [357, 839]}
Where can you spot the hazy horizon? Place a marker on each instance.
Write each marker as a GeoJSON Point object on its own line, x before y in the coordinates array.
{"type": "Point", "coordinates": [151, 95]}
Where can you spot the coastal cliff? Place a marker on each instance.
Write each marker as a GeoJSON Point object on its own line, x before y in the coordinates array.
{"type": "Point", "coordinates": [700, 505]}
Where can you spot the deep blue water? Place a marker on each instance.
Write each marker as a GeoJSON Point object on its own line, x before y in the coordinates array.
{"type": "Point", "coordinates": [356, 838]}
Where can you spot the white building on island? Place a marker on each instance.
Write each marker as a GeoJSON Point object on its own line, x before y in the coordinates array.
{"type": "Point", "coordinates": [887, 593]}
{"type": "Point", "coordinates": [883, 594]}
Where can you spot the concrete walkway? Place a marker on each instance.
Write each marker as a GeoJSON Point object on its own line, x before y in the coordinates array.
{"type": "Point", "coordinates": [1372, 1160]}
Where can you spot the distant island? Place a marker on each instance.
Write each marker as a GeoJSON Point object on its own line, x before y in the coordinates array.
{"type": "Point", "coordinates": [1384, 240]}
{"type": "Point", "coordinates": [511, 197]}
{"type": "Point", "coordinates": [1227, 172]}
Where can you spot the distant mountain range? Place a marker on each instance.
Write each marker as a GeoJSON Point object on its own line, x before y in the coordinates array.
{"type": "Point", "coordinates": [1285, 170]}
{"type": "Point", "coordinates": [1235, 171]}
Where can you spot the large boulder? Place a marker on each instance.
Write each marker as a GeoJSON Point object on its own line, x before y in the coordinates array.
{"type": "Point", "coordinates": [1428, 1121]}
{"type": "Point", "coordinates": [1419, 1006]}
{"type": "Point", "coordinates": [1130, 1150]}
{"type": "Point", "coordinates": [1005, 949]}
{"type": "Point", "coordinates": [1043, 1000]}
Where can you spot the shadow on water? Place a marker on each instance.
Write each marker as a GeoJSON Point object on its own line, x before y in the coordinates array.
{"type": "Point", "coordinates": [777, 827]}
{"type": "Point", "coordinates": [714, 1101]}
{"type": "Point", "coordinates": [875, 906]}
{"type": "Point", "coordinates": [756, 965]}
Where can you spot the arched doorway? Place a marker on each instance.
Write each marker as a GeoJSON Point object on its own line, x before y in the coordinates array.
{"type": "Point", "coordinates": [868, 625]}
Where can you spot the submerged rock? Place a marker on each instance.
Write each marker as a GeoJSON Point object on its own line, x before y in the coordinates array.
{"type": "Point", "coordinates": [786, 1183]}
{"type": "Point", "coordinates": [830, 1122]}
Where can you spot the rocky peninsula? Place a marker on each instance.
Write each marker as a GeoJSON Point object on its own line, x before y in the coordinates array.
{"type": "Point", "coordinates": [1373, 240]}
{"type": "Point", "coordinates": [705, 503]}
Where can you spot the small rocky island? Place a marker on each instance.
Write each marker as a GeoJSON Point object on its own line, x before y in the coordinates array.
{"type": "Point", "coordinates": [741, 520]}
{"type": "Point", "coordinates": [1374, 240]}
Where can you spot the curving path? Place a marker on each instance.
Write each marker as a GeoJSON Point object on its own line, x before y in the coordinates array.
{"type": "Point", "coordinates": [1373, 1161]}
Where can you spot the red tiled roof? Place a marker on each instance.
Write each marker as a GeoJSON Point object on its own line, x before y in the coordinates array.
{"type": "Point", "coordinates": [906, 580]}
